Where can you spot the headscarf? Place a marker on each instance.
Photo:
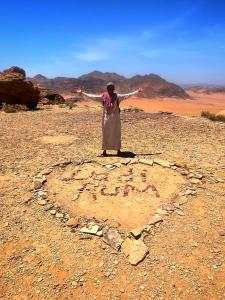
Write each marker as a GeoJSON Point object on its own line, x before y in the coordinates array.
{"type": "Point", "coordinates": [109, 100]}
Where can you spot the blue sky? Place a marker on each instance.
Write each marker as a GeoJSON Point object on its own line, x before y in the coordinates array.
{"type": "Point", "coordinates": [183, 41]}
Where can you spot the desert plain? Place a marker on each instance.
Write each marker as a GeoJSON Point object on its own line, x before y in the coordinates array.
{"type": "Point", "coordinates": [174, 165]}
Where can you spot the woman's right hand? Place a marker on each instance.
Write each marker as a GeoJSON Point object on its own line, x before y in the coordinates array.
{"type": "Point", "coordinates": [78, 91]}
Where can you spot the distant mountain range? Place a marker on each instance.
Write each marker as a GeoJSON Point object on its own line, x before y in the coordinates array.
{"type": "Point", "coordinates": [204, 88]}
{"type": "Point", "coordinates": [95, 82]}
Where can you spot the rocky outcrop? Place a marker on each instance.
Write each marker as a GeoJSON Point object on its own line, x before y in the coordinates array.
{"type": "Point", "coordinates": [48, 96]}
{"type": "Point", "coordinates": [15, 89]}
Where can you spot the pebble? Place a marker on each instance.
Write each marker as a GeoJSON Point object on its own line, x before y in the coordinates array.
{"type": "Point", "coordinates": [72, 222]}
{"type": "Point", "coordinates": [46, 171]}
{"type": "Point", "coordinates": [112, 238]}
{"type": "Point", "coordinates": [52, 211]}
{"type": "Point", "coordinates": [148, 162]}
{"type": "Point", "coordinates": [92, 229]}
{"type": "Point", "coordinates": [110, 167]}
{"type": "Point", "coordinates": [180, 212]}
{"type": "Point", "coordinates": [182, 171]}
{"type": "Point", "coordinates": [162, 212]}
{"type": "Point", "coordinates": [135, 249]}
{"type": "Point", "coordinates": [137, 231]}
{"type": "Point", "coordinates": [168, 207]}
{"type": "Point", "coordinates": [190, 192]}
{"type": "Point", "coordinates": [195, 180]}
{"type": "Point", "coordinates": [162, 162]}
{"type": "Point", "coordinates": [59, 215]}
{"type": "Point", "coordinates": [48, 206]}
{"type": "Point", "coordinates": [42, 202]}
{"type": "Point", "coordinates": [155, 219]}
{"type": "Point", "coordinates": [38, 181]}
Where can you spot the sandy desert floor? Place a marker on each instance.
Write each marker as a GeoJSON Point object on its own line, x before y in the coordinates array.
{"type": "Point", "coordinates": [42, 258]}
{"type": "Point", "coordinates": [200, 101]}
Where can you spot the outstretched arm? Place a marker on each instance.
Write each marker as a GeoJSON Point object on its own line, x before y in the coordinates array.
{"type": "Point", "coordinates": [127, 95]}
{"type": "Point", "coordinates": [92, 96]}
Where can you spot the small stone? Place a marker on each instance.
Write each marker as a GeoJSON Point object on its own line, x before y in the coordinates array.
{"type": "Point", "coordinates": [137, 231]}
{"type": "Point", "coordinates": [134, 161]}
{"type": "Point", "coordinates": [110, 167]}
{"type": "Point", "coordinates": [59, 215]}
{"type": "Point", "coordinates": [176, 205]}
{"type": "Point", "coordinates": [72, 222]}
{"type": "Point", "coordinates": [37, 184]}
{"type": "Point", "coordinates": [48, 206]}
{"type": "Point", "coordinates": [42, 202]}
{"type": "Point", "coordinates": [180, 212]}
{"type": "Point", "coordinates": [195, 180]}
{"type": "Point", "coordinates": [135, 249]}
{"type": "Point", "coordinates": [182, 171]}
{"type": "Point", "coordinates": [74, 284]}
{"type": "Point", "coordinates": [52, 211]}
{"type": "Point", "coordinates": [180, 164]}
{"type": "Point", "coordinates": [148, 162]}
{"type": "Point", "coordinates": [168, 207]}
{"type": "Point", "coordinates": [155, 219]}
{"type": "Point", "coordinates": [162, 162]}
{"type": "Point", "coordinates": [198, 175]}
{"type": "Point", "coordinates": [76, 197]}
{"type": "Point", "coordinates": [163, 212]}
{"type": "Point", "coordinates": [38, 181]}
{"type": "Point", "coordinates": [91, 229]}
{"type": "Point", "coordinates": [99, 233]}
{"type": "Point", "coordinates": [107, 274]}
{"type": "Point", "coordinates": [190, 192]}
{"type": "Point", "coordinates": [112, 238]}
{"type": "Point", "coordinates": [42, 194]}
{"type": "Point", "coordinates": [46, 171]}
{"type": "Point", "coordinates": [126, 161]}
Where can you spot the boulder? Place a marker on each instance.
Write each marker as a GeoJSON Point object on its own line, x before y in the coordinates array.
{"type": "Point", "coordinates": [15, 89]}
{"type": "Point", "coordinates": [48, 96]}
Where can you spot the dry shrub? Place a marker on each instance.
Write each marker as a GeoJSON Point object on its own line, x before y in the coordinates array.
{"type": "Point", "coordinates": [133, 109]}
{"type": "Point", "coordinates": [13, 108]}
{"type": "Point", "coordinates": [213, 117]}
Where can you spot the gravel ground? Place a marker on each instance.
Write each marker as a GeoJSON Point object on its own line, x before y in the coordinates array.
{"type": "Point", "coordinates": [41, 259]}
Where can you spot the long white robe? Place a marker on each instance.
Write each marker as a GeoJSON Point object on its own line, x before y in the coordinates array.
{"type": "Point", "coordinates": [111, 124]}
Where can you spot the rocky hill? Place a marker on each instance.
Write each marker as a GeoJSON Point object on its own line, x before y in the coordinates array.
{"type": "Point", "coordinates": [154, 85]}
{"type": "Point", "coordinates": [16, 89]}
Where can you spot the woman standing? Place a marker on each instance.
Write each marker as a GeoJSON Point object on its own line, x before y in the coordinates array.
{"type": "Point", "coordinates": [111, 126]}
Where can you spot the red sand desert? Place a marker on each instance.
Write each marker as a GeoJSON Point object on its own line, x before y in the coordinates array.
{"type": "Point", "coordinates": [214, 102]}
